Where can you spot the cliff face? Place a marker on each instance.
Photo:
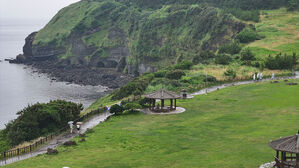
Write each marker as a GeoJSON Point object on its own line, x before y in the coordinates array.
{"type": "Point", "coordinates": [128, 38]}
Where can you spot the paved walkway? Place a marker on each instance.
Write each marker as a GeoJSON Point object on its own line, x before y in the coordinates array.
{"type": "Point", "coordinates": [57, 141]}
{"type": "Point", "coordinates": [177, 111]}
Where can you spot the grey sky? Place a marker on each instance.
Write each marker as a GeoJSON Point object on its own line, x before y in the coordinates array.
{"type": "Point", "coordinates": [31, 9]}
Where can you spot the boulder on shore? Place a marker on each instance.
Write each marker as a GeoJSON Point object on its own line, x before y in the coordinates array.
{"type": "Point", "coordinates": [51, 151]}
{"type": "Point", "coordinates": [69, 143]}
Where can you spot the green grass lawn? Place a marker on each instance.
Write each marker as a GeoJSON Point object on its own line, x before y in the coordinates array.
{"type": "Point", "coordinates": [229, 128]}
{"type": "Point", "coordinates": [281, 31]}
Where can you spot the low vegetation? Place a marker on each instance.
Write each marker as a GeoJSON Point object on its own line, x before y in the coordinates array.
{"type": "Point", "coordinates": [200, 136]}
{"type": "Point", "coordinates": [38, 120]}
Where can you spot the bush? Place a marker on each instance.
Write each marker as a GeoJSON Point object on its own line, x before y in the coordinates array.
{"type": "Point", "coordinates": [292, 5]}
{"type": "Point", "coordinates": [139, 83]}
{"type": "Point", "coordinates": [246, 15]}
{"type": "Point", "coordinates": [116, 109]}
{"type": "Point", "coordinates": [223, 59]}
{"type": "Point", "coordinates": [184, 65]}
{"type": "Point", "coordinates": [41, 119]}
{"type": "Point", "coordinates": [127, 112]}
{"type": "Point", "coordinates": [248, 35]}
{"type": "Point", "coordinates": [203, 57]}
{"type": "Point", "coordinates": [281, 62]}
{"type": "Point", "coordinates": [247, 56]}
{"type": "Point", "coordinates": [230, 73]}
{"type": "Point", "coordinates": [143, 102]}
{"type": "Point", "coordinates": [176, 74]}
{"type": "Point", "coordinates": [132, 106]}
{"type": "Point", "coordinates": [160, 74]}
{"type": "Point", "coordinates": [232, 48]}
{"type": "Point", "coordinates": [210, 78]}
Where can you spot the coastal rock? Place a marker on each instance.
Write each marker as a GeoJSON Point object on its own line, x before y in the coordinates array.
{"type": "Point", "coordinates": [82, 140]}
{"type": "Point", "coordinates": [69, 143]}
{"type": "Point", "coordinates": [51, 151]}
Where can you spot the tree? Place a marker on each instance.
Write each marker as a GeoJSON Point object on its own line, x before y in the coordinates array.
{"type": "Point", "coordinates": [247, 56]}
{"type": "Point", "coordinates": [116, 109]}
{"type": "Point", "coordinates": [223, 59]}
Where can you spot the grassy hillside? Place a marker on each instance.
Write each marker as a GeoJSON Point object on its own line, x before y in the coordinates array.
{"type": "Point", "coordinates": [96, 31]}
{"type": "Point", "coordinates": [281, 31]}
{"type": "Point", "coordinates": [227, 128]}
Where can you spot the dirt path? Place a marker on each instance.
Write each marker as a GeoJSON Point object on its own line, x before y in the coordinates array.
{"type": "Point", "coordinates": [95, 120]}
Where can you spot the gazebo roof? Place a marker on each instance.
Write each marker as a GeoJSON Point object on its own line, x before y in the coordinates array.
{"type": "Point", "coordinates": [162, 94]}
{"type": "Point", "coordinates": [288, 144]}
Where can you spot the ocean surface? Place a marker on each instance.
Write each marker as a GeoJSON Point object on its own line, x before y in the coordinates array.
{"type": "Point", "coordinates": [21, 86]}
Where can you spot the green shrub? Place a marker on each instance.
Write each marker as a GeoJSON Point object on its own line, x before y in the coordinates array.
{"type": "Point", "coordinates": [116, 109]}
{"type": "Point", "coordinates": [230, 73]}
{"type": "Point", "coordinates": [223, 59]}
{"type": "Point", "coordinates": [247, 56]}
{"type": "Point", "coordinates": [203, 57]}
{"type": "Point", "coordinates": [176, 74]}
{"type": "Point", "coordinates": [41, 119]}
{"type": "Point", "coordinates": [132, 106]}
{"type": "Point", "coordinates": [231, 48]}
{"type": "Point", "coordinates": [210, 78]}
{"type": "Point", "coordinates": [139, 83]}
{"type": "Point", "coordinates": [246, 15]}
{"type": "Point", "coordinates": [281, 62]}
{"type": "Point", "coordinates": [128, 112]}
{"type": "Point", "coordinates": [160, 74]}
{"type": "Point", "coordinates": [4, 142]}
{"type": "Point", "coordinates": [248, 35]}
{"type": "Point", "coordinates": [184, 65]}
{"type": "Point", "coordinates": [292, 5]}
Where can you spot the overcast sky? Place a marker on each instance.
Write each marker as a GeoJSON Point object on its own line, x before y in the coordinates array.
{"type": "Point", "coordinates": [31, 9]}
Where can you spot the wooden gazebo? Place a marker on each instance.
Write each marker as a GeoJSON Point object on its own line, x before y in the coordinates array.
{"type": "Point", "coordinates": [162, 95]}
{"type": "Point", "coordinates": [287, 151]}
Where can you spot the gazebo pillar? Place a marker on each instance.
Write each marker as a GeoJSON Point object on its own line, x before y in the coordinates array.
{"type": "Point", "coordinates": [171, 104]}
{"type": "Point", "coordinates": [283, 156]}
{"type": "Point", "coordinates": [175, 104]}
{"type": "Point", "coordinates": [154, 104]}
{"type": "Point", "coordinates": [162, 103]}
{"type": "Point", "coordinates": [297, 159]}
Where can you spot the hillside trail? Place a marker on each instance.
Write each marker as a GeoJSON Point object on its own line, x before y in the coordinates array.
{"type": "Point", "coordinates": [59, 140]}
{"type": "Point", "coordinates": [97, 119]}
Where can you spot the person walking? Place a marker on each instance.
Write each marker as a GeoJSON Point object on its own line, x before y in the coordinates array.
{"type": "Point", "coordinates": [261, 76]}
{"type": "Point", "coordinates": [272, 76]}
{"type": "Point", "coordinates": [254, 77]}
{"type": "Point", "coordinates": [258, 76]}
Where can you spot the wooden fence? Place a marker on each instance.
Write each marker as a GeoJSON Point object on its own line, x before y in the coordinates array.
{"type": "Point", "coordinates": [37, 144]}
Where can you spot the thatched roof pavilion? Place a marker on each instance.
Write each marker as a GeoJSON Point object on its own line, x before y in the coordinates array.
{"type": "Point", "coordinates": [162, 95]}
{"type": "Point", "coordinates": [287, 151]}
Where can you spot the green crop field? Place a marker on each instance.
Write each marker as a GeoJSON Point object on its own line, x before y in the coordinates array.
{"type": "Point", "coordinates": [281, 31]}
{"type": "Point", "coordinates": [227, 128]}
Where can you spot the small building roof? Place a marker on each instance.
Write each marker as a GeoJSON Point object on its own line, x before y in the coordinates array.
{"type": "Point", "coordinates": [288, 144]}
{"type": "Point", "coordinates": [163, 94]}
